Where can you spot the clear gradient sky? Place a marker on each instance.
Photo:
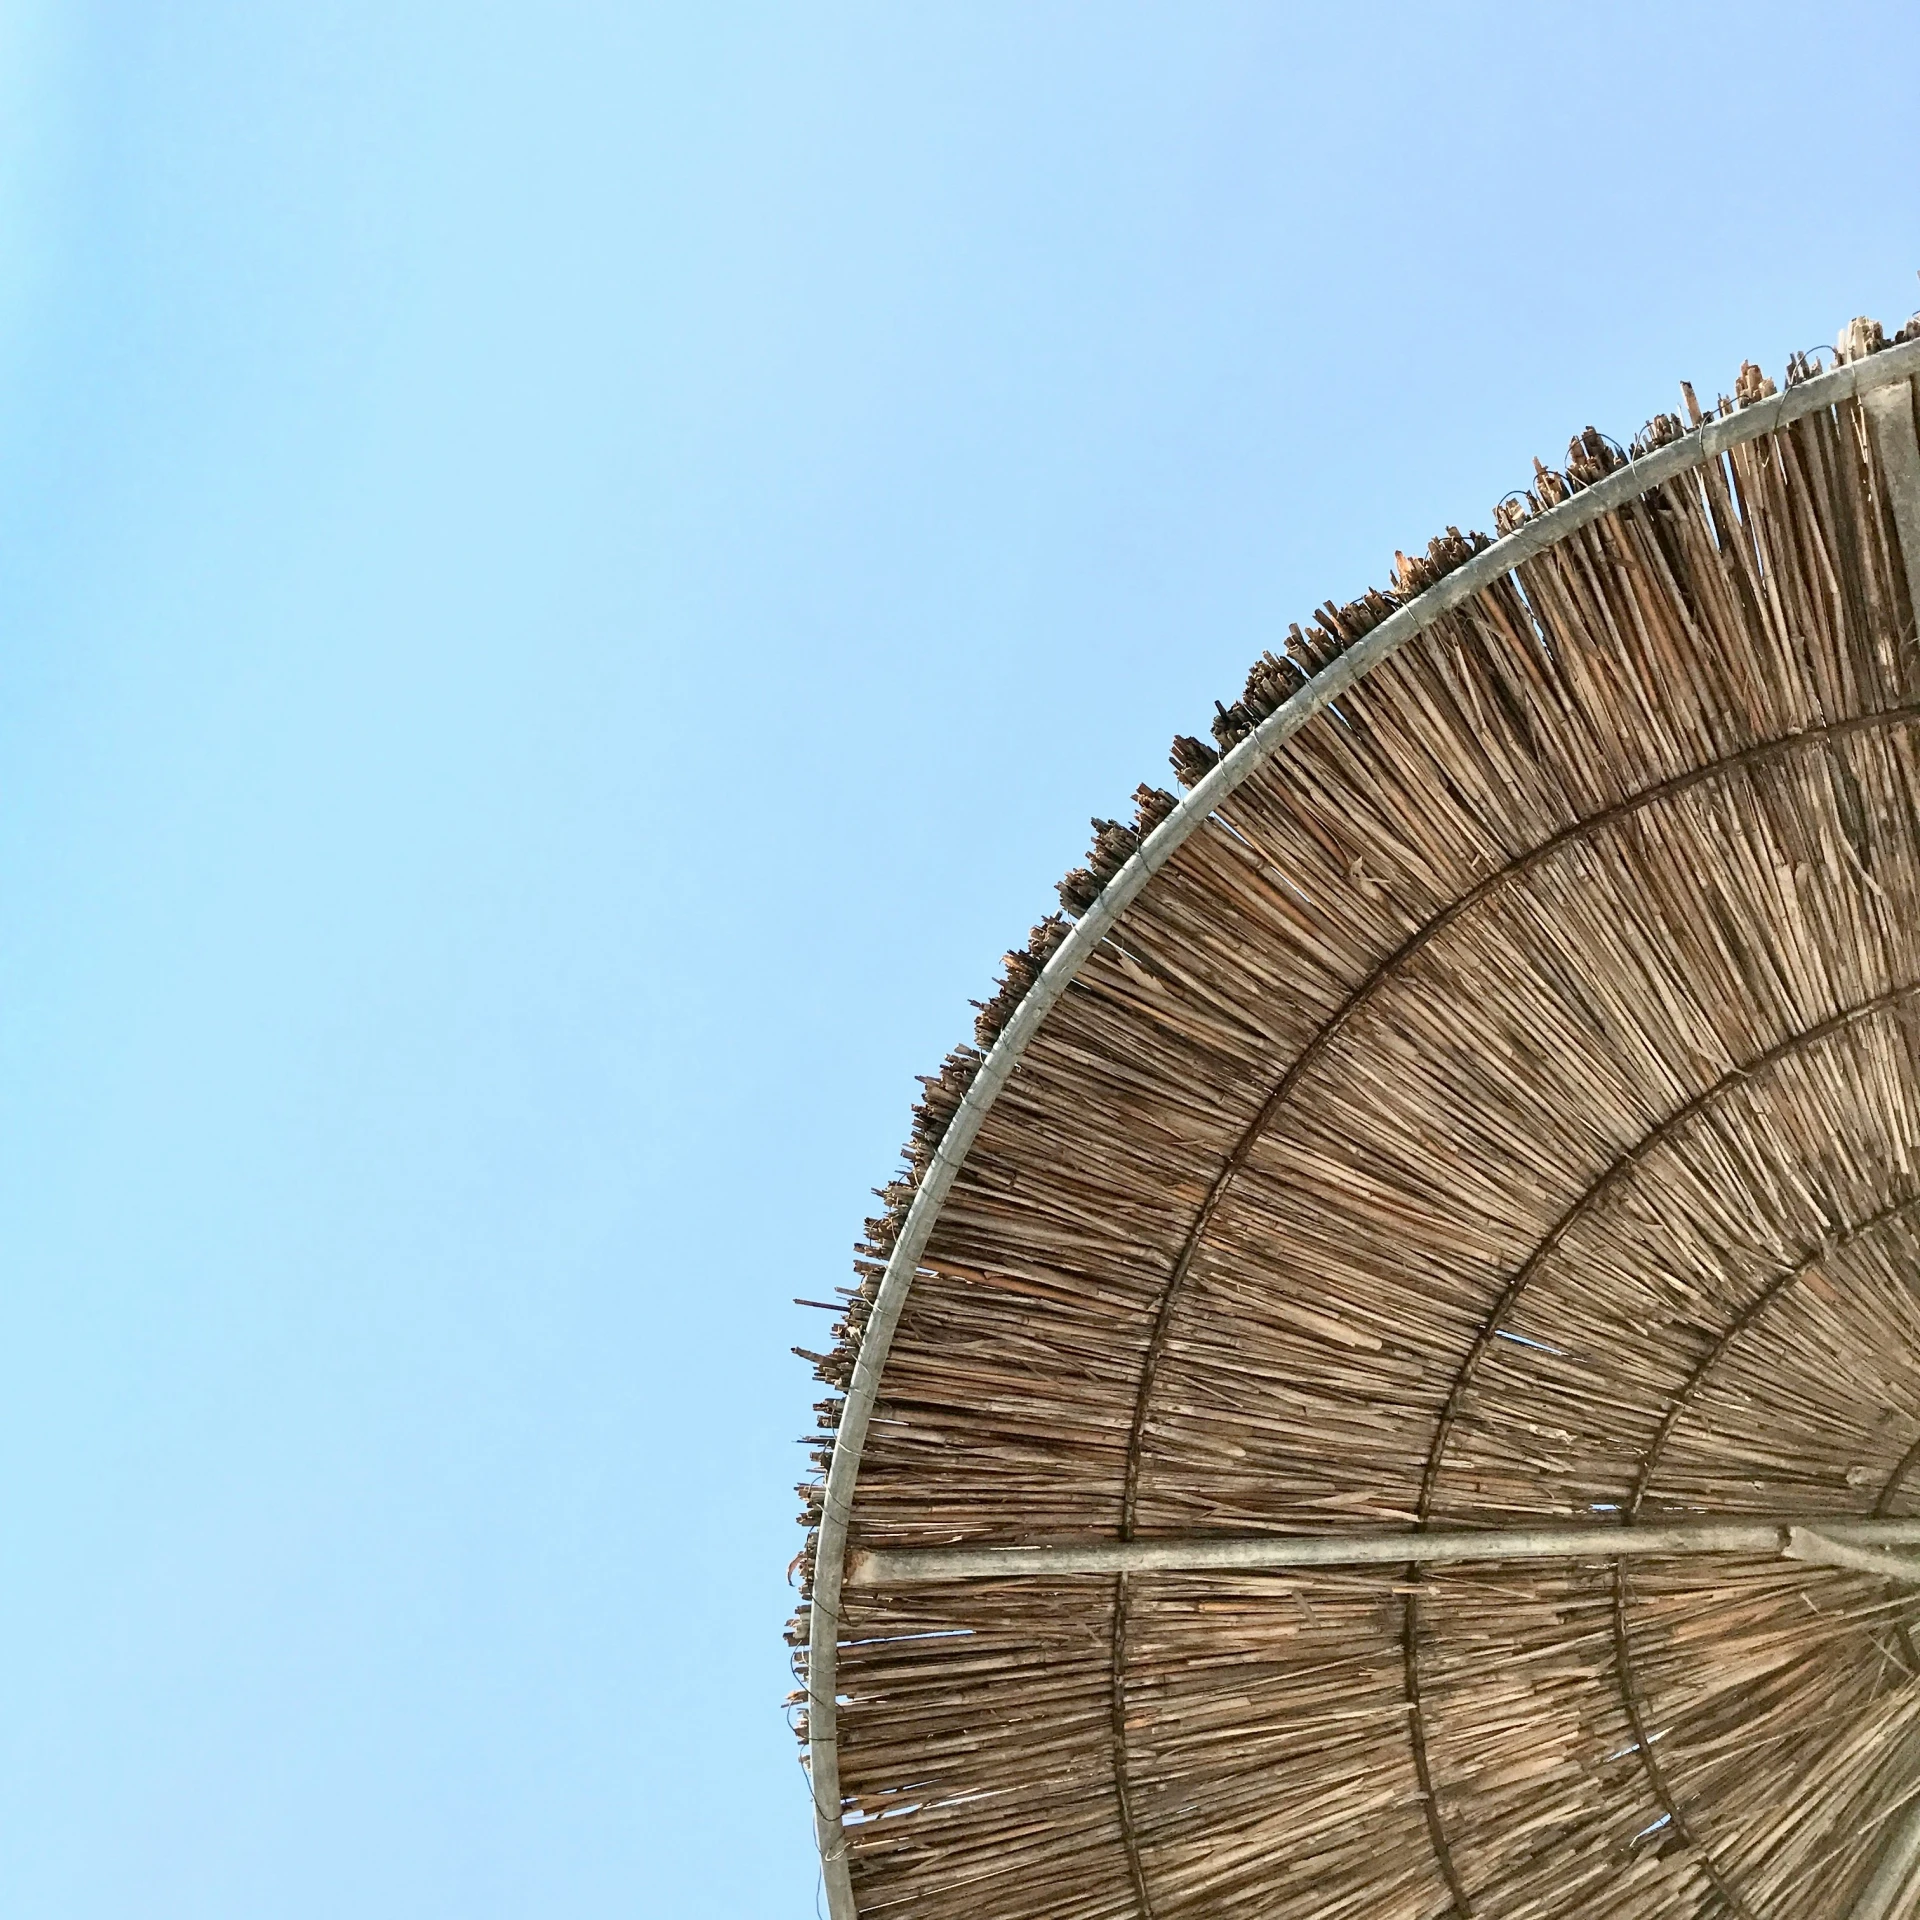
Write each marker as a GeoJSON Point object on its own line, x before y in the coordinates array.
{"type": "Point", "coordinates": [570, 575]}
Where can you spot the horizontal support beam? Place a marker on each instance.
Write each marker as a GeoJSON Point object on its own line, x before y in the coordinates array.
{"type": "Point", "coordinates": [1804, 1544]}
{"type": "Point", "coordinates": [1280, 1552]}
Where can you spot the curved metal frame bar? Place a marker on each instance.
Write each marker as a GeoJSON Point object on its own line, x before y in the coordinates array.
{"type": "Point", "coordinates": [1715, 437]}
{"type": "Point", "coordinates": [1858, 1553]}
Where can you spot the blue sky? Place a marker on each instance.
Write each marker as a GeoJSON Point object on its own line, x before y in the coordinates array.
{"type": "Point", "coordinates": [569, 577]}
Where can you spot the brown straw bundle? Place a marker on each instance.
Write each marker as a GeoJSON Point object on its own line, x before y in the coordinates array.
{"type": "Point", "coordinates": [1502, 1107]}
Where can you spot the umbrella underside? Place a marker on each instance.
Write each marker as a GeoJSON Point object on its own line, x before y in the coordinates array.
{"type": "Point", "coordinates": [1500, 1109]}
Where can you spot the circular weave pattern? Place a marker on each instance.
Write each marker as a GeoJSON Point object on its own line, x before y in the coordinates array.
{"type": "Point", "coordinates": [1502, 1110]}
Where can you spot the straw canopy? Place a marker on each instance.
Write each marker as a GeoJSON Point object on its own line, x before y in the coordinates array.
{"type": "Point", "coordinates": [1390, 1383]}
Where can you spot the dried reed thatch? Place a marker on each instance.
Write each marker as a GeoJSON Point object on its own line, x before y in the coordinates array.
{"type": "Point", "coordinates": [1489, 1099]}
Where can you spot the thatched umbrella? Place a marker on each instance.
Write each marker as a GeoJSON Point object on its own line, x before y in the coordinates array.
{"type": "Point", "coordinates": [1390, 1385]}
